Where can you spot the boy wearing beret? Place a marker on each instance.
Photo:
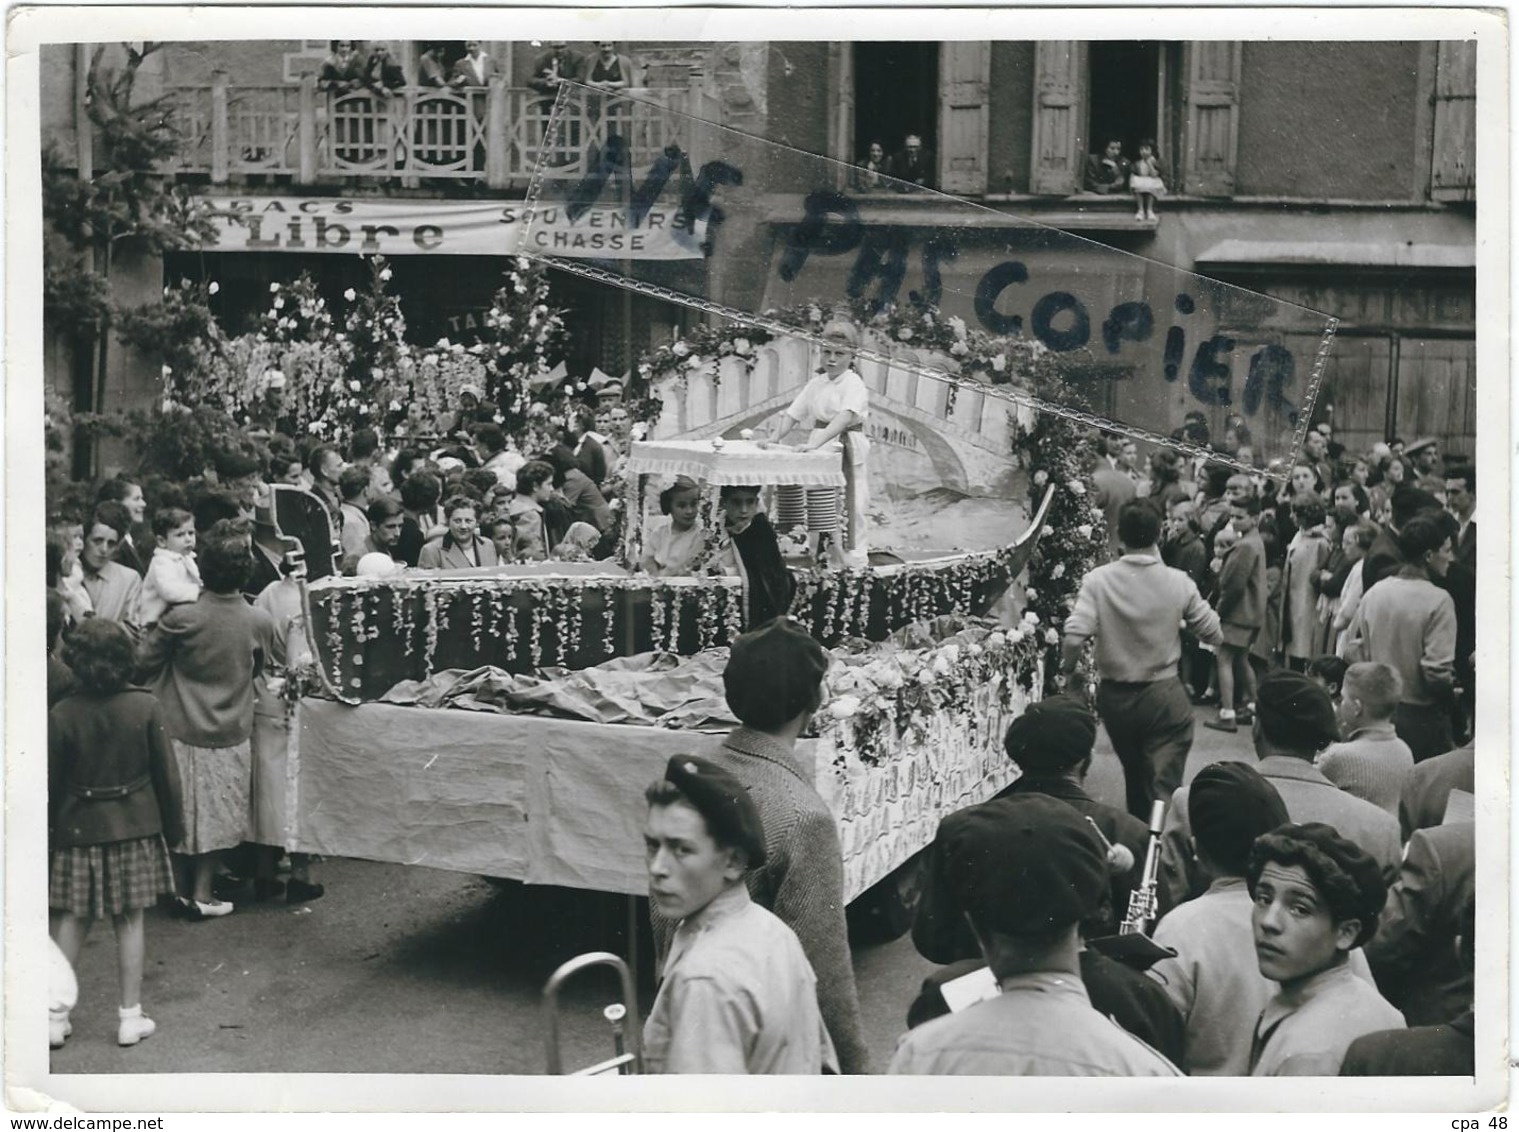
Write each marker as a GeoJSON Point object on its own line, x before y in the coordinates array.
{"type": "Point", "coordinates": [737, 994]}
{"type": "Point", "coordinates": [773, 683]}
{"type": "Point", "coordinates": [1295, 720]}
{"type": "Point", "coordinates": [1316, 897]}
{"type": "Point", "coordinates": [1213, 979]}
{"type": "Point", "coordinates": [1026, 870]}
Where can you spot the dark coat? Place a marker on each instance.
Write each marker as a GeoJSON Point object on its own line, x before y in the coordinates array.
{"type": "Point", "coordinates": [1120, 828]}
{"type": "Point", "coordinates": [111, 776]}
{"type": "Point", "coordinates": [1427, 791]}
{"type": "Point", "coordinates": [1413, 954]}
{"type": "Point", "coordinates": [922, 173]}
{"type": "Point", "coordinates": [1421, 1051]}
{"type": "Point", "coordinates": [771, 583]}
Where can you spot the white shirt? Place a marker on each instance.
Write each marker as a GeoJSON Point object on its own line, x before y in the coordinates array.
{"type": "Point", "coordinates": [824, 398]}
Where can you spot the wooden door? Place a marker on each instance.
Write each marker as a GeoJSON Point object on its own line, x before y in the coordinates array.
{"type": "Point", "coordinates": [1437, 392]}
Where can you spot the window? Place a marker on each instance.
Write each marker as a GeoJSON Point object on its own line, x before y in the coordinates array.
{"type": "Point", "coordinates": [1184, 95]}
{"type": "Point", "coordinates": [896, 93]}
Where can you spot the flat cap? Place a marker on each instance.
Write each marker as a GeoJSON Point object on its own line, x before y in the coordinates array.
{"type": "Point", "coordinates": [1296, 711]}
{"type": "Point", "coordinates": [1348, 878]}
{"type": "Point", "coordinates": [1419, 445]}
{"type": "Point", "coordinates": [723, 801]}
{"type": "Point", "coordinates": [1023, 865]}
{"type": "Point", "coordinates": [773, 673]}
{"type": "Point", "coordinates": [1230, 804]}
{"type": "Point", "coordinates": [1051, 735]}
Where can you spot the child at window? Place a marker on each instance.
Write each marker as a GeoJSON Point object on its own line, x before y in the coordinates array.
{"type": "Point", "coordinates": [173, 577]}
{"type": "Point", "coordinates": [1147, 180]}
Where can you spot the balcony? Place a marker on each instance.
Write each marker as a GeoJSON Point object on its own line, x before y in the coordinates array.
{"type": "Point", "coordinates": [492, 136]}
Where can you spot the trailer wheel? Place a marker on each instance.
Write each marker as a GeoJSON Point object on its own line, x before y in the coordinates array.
{"type": "Point", "coordinates": [885, 911]}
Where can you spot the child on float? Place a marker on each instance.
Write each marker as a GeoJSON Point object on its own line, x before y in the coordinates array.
{"type": "Point", "coordinates": [835, 405]}
{"type": "Point", "coordinates": [173, 578]}
{"type": "Point", "coordinates": [672, 548]}
{"type": "Point", "coordinates": [113, 798]}
{"type": "Point", "coordinates": [750, 549]}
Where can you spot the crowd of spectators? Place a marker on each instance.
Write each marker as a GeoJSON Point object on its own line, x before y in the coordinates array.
{"type": "Point", "coordinates": [1296, 567]}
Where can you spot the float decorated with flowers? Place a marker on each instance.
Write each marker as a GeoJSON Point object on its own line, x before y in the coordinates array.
{"type": "Point", "coordinates": [505, 720]}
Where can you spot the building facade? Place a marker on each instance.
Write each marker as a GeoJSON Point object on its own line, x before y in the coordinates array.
{"type": "Point", "coordinates": [1338, 176]}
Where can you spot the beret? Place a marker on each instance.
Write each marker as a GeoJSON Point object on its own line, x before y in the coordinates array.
{"type": "Point", "coordinates": [1051, 735]}
{"type": "Point", "coordinates": [773, 672]}
{"type": "Point", "coordinates": [1296, 711]}
{"type": "Point", "coordinates": [723, 801]}
{"type": "Point", "coordinates": [1229, 805]}
{"type": "Point", "coordinates": [1022, 865]}
{"type": "Point", "coordinates": [1348, 878]}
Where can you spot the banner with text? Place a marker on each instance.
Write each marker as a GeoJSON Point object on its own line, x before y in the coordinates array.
{"type": "Point", "coordinates": [1038, 315]}
{"type": "Point", "coordinates": [435, 227]}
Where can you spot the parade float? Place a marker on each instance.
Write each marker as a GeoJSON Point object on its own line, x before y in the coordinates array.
{"type": "Point", "coordinates": [505, 720]}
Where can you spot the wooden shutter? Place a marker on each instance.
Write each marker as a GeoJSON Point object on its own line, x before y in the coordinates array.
{"type": "Point", "coordinates": [964, 75]}
{"type": "Point", "coordinates": [1453, 173]}
{"type": "Point", "coordinates": [1059, 116]}
{"type": "Point", "coordinates": [1212, 119]}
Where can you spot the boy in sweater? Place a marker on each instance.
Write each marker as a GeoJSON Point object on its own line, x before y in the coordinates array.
{"type": "Point", "coordinates": [1241, 613]}
{"type": "Point", "coordinates": [1372, 762]}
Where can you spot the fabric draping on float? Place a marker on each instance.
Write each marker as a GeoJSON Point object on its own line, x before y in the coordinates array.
{"type": "Point", "coordinates": [540, 800]}
{"type": "Point", "coordinates": [737, 462]}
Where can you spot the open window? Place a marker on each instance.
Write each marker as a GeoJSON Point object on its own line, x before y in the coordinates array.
{"type": "Point", "coordinates": [896, 93]}
{"type": "Point", "coordinates": [1183, 95]}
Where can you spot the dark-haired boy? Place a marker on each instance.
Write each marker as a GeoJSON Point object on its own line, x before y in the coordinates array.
{"type": "Point", "coordinates": [1316, 897]}
{"type": "Point", "coordinates": [737, 994]}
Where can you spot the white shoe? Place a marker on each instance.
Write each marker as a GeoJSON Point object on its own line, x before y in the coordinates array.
{"type": "Point", "coordinates": [1139, 215]}
{"type": "Point", "coordinates": [134, 1025]}
{"type": "Point", "coordinates": [58, 1028]}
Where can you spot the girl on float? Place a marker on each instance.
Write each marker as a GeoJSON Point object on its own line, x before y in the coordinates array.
{"type": "Point", "coordinates": [836, 403]}
{"type": "Point", "coordinates": [672, 549]}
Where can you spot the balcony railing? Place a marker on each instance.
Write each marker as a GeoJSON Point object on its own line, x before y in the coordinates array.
{"type": "Point", "coordinates": [495, 134]}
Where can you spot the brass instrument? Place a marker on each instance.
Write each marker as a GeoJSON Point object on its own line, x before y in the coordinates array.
{"type": "Point", "coordinates": [623, 1016]}
{"type": "Point", "coordinates": [1143, 902]}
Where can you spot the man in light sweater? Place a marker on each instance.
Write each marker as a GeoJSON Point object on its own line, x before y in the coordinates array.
{"type": "Point", "coordinates": [1134, 608]}
{"type": "Point", "coordinates": [1409, 622]}
{"type": "Point", "coordinates": [1371, 762]}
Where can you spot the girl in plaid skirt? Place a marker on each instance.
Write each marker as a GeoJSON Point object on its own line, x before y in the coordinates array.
{"type": "Point", "coordinates": [113, 796]}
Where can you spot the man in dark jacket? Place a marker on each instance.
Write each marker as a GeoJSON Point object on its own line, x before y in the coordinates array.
{"type": "Point", "coordinates": [914, 165]}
